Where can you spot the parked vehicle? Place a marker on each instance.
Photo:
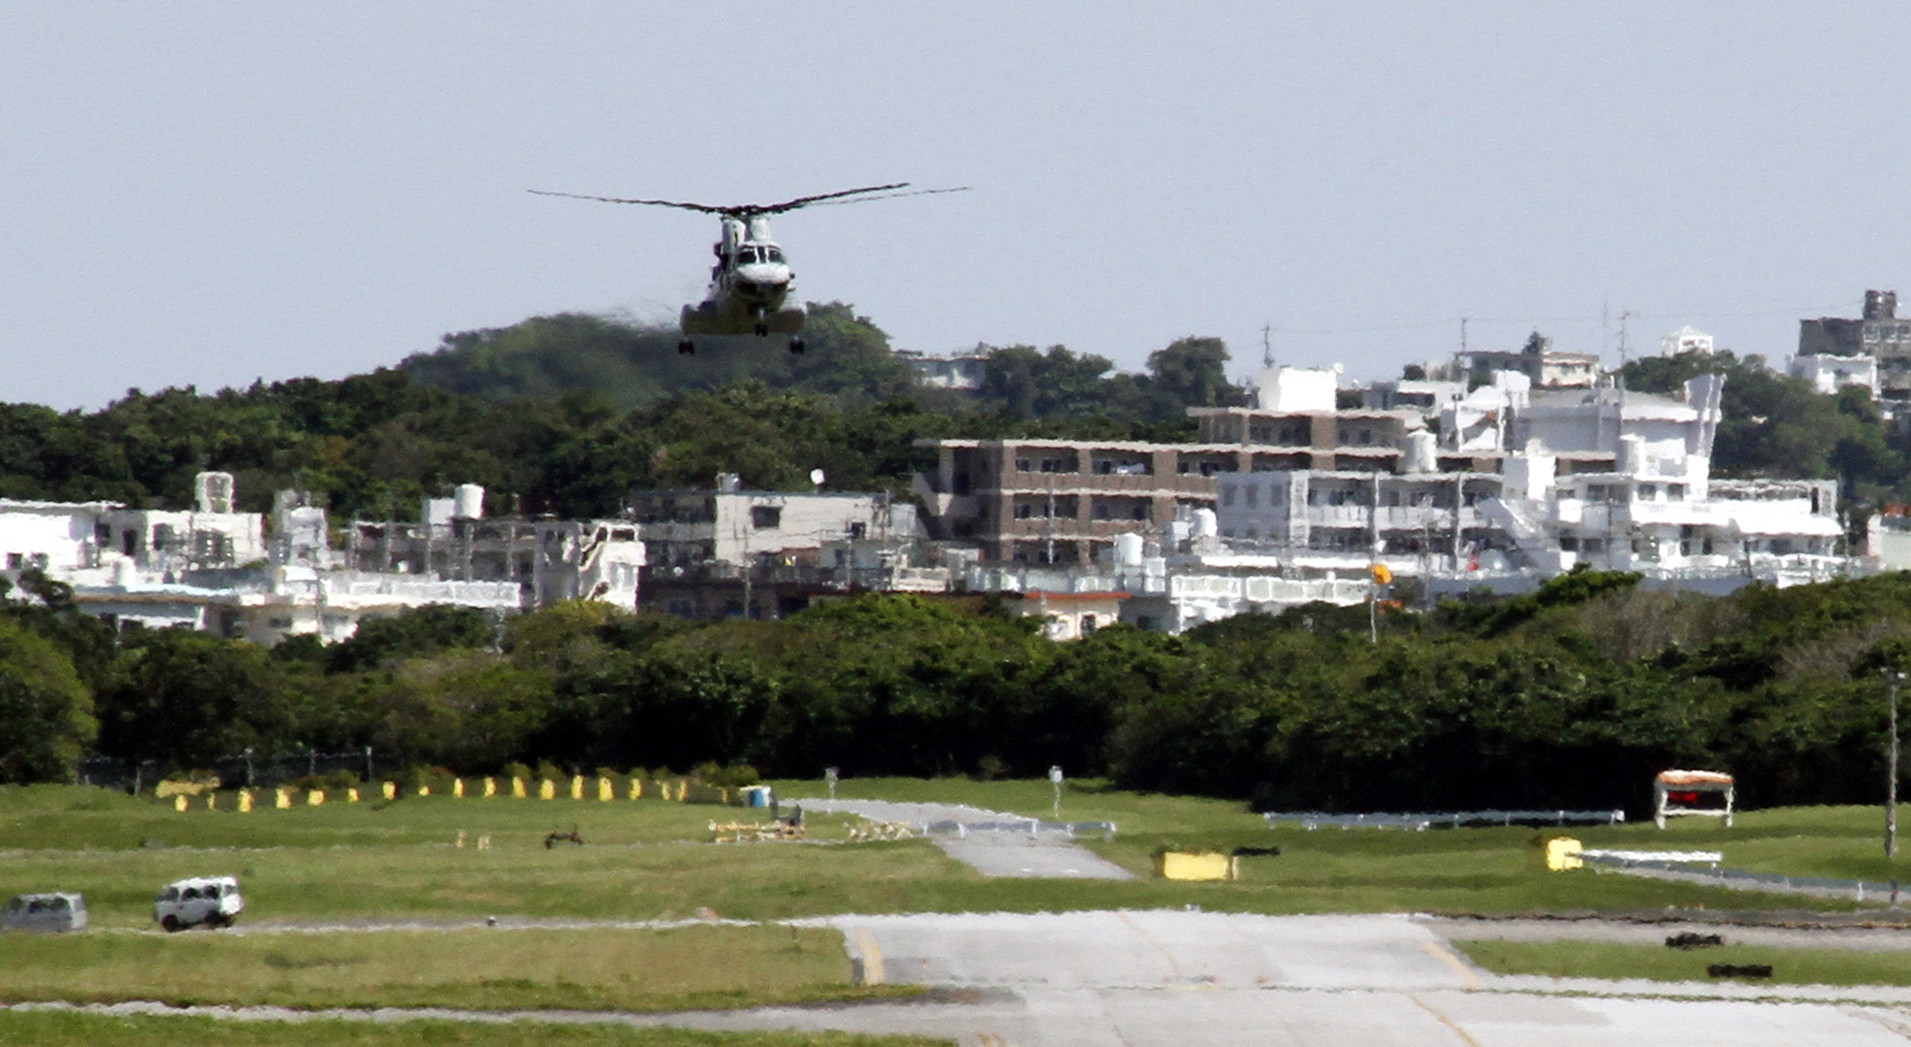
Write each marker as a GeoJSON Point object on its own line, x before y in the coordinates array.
{"type": "Point", "coordinates": [209, 900]}
{"type": "Point", "coordinates": [55, 911]}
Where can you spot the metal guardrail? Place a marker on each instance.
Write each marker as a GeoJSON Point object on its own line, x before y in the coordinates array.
{"type": "Point", "coordinates": [1020, 826]}
{"type": "Point", "coordinates": [1740, 879]}
{"type": "Point", "coordinates": [1311, 820]}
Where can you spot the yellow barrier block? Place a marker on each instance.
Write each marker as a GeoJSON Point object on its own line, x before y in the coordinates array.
{"type": "Point", "coordinates": [390, 789]}
{"type": "Point", "coordinates": [517, 788]}
{"type": "Point", "coordinates": [636, 789]}
{"type": "Point", "coordinates": [283, 800]}
{"type": "Point", "coordinates": [605, 791]}
{"type": "Point", "coordinates": [1185, 865]}
{"type": "Point", "coordinates": [179, 802]}
{"type": "Point", "coordinates": [547, 790]}
{"type": "Point", "coordinates": [460, 838]}
{"type": "Point", "coordinates": [577, 787]}
{"type": "Point", "coordinates": [490, 787]}
{"type": "Point", "coordinates": [245, 801]}
{"type": "Point", "coordinates": [315, 798]}
{"type": "Point", "coordinates": [212, 801]}
{"type": "Point", "coordinates": [351, 796]}
{"type": "Point", "coordinates": [1562, 853]}
{"type": "Point", "coordinates": [457, 788]}
{"type": "Point", "coordinates": [424, 790]}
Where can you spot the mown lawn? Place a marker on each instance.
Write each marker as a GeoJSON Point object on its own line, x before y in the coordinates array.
{"type": "Point", "coordinates": [1613, 960]}
{"type": "Point", "coordinates": [474, 968]}
{"type": "Point", "coordinates": [67, 1029]}
{"type": "Point", "coordinates": [650, 859]}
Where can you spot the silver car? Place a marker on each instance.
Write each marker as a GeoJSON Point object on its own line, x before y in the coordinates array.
{"type": "Point", "coordinates": [55, 911]}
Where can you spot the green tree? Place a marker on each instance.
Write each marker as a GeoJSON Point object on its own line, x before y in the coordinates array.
{"type": "Point", "coordinates": [46, 713]}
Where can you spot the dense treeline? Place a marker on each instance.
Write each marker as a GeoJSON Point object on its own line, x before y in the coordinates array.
{"type": "Point", "coordinates": [565, 414]}
{"type": "Point", "coordinates": [1572, 696]}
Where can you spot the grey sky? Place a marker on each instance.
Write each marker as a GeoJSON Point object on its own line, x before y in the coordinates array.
{"type": "Point", "coordinates": [208, 193]}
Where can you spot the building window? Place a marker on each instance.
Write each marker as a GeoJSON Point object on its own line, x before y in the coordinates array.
{"type": "Point", "coordinates": [766, 517]}
{"type": "Point", "coordinates": [1088, 624]}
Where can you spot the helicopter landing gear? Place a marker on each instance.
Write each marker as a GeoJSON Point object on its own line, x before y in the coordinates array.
{"type": "Point", "coordinates": [762, 328]}
{"type": "Point", "coordinates": [796, 345]}
{"type": "Point", "coordinates": [685, 347]}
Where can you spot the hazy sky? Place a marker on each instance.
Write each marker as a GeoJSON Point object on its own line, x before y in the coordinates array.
{"type": "Point", "coordinates": [210, 193]}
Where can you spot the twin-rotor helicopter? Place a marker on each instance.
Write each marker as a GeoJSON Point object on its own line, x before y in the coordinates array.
{"type": "Point", "coordinates": [751, 282]}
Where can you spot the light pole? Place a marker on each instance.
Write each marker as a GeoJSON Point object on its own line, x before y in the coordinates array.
{"type": "Point", "coordinates": [1892, 678]}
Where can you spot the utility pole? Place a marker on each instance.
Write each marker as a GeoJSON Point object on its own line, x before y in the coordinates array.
{"type": "Point", "coordinates": [1892, 678]}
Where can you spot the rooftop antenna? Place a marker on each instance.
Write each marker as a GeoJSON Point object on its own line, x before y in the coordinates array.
{"type": "Point", "coordinates": [1267, 345]}
{"type": "Point", "coordinates": [1624, 316]}
{"type": "Point", "coordinates": [1463, 321]}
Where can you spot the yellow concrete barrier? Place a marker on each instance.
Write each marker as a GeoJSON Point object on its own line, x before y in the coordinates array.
{"type": "Point", "coordinates": [457, 788]}
{"type": "Point", "coordinates": [315, 798]}
{"type": "Point", "coordinates": [245, 801]}
{"type": "Point", "coordinates": [605, 791]}
{"type": "Point", "coordinates": [424, 790]}
{"type": "Point", "coordinates": [490, 787]}
{"type": "Point", "coordinates": [390, 790]}
{"type": "Point", "coordinates": [517, 787]}
{"type": "Point", "coordinates": [179, 802]}
{"type": "Point", "coordinates": [212, 801]}
{"type": "Point", "coordinates": [1562, 853]}
{"type": "Point", "coordinates": [283, 800]}
{"type": "Point", "coordinates": [351, 796]}
{"type": "Point", "coordinates": [547, 790]}
{"type": "Point", "coordinates": [1188, 865]}
{"type": "Point", "coordinates": [636, 789]}
{"type": "Point", "coordinates": [577, 787]}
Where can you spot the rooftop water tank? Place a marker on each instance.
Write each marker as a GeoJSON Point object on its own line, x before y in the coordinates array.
{"type": "Point", "coordinates": [1128, 549]}
{"type": "Point", "coordinates": [1205, 524]}
{"type": "Point", "coordinates": [468, 503]}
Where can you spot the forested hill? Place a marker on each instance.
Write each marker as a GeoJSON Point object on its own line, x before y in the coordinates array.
{"type": "Point", "coordinates": [565, 414]}
{"type": "Point", "coordinates": [848, 359]}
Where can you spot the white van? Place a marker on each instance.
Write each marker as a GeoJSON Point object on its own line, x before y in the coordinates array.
{"type": "Point", "coordinates": [209, 900]}
{"type": "Point", "coordinates": [57, 911]}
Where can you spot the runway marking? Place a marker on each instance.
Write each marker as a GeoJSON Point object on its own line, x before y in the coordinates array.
{"type": "Point", "coordinates": [872, 957]}
{"type": "Point", "coordinates": [1444, 1020]}
{"type": "Point", "coordinates": [1162, 949]}
{"type": "Point", "coordinates": [1469, 978]}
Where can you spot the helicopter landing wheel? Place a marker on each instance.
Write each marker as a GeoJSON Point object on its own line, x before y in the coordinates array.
{"type": "Point", "coordinates": [796, 345]}
{"type": "Point", "coordinates": [685, 347]}
{"type": "Point", "coordinates": [762, 329]}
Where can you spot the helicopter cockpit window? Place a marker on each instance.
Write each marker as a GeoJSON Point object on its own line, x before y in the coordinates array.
{"type": "Point", "coordinates": [772, 254]}
{"type": "Point", "coordinates": [747, 256]}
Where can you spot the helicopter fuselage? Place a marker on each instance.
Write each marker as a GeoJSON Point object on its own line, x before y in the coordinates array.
{"type": "Point", "coordinates": [749, 286]}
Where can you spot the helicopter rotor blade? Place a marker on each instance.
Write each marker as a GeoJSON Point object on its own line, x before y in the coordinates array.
{"type": "Point", "coordinates": [706, 208]}
{"type": "Point", "coordinates": [805, 201]}
{"type": "Point", "coordinates": [892, 196]}
{"type": "Point", "coordinates": [845, 196]}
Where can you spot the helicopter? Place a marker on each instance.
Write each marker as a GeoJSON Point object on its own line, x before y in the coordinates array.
{"type": "Point", "coordinates": [751, 281]}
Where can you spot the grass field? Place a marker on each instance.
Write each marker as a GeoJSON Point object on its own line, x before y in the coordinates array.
{"type": "Point", "coordinates": [1611, 960]}
{"type": "Point", "coordinates": [648, 859]}
{"type": "Point", "coordinates": [475, 968]}
{"type": "Point", "coordinates": [57, 1029]}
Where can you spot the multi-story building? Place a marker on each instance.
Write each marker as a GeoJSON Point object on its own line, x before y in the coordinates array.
{"type": "Point", "coordinates": [547, 559]}
{"type": "Point", "coordinates": [216, 570]}
{"type": "Point", "coordinates": [1879, 334]}
{"type": "Point", "coordinates": [735, 526]}
{"type": "Point", "coordinates": [1544, 366]}
{"type": "Point", "coordinates": [1035, 501]}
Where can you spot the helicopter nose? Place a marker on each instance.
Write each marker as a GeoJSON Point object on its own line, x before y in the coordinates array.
{"type": "Point", "coordinates": [762, 280]}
